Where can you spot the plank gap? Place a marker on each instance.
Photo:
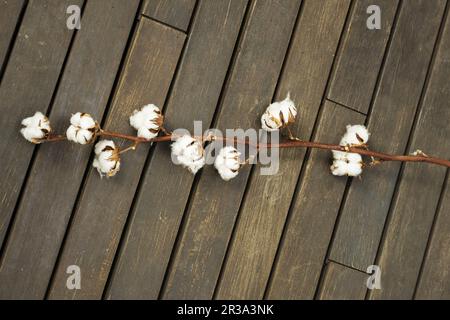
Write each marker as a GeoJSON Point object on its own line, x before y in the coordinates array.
{"type": "Point", "coordinates": [13, 40]}
{"type": "Point", "coordinates": [346, 107]}
{"type": "Point", "coordinates": [410, 139]}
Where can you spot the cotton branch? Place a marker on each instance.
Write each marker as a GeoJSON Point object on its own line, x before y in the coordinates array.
{"type": "Point", "coordinates": [420, 157]}
{"type": "Point", "coordinates": [188, 151]}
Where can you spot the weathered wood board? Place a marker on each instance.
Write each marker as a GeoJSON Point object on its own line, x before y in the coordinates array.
{"type": "Point", "coordinates": [367, 204]}
{"type": "Point", "coordinates": [28, 84]}
{"type": "Point", "coordinates": [158, 209]}
{"type": "Point", "coordinates": [342, 283]}
{"type": "Point", "coordinates": [266, 205]}
{"type": "Point", "coordinates": [85, 86]}
{"type": "Point", "coordinates": [156, 231]}
{"type": "Point", "coordinates": [362, 53]}
{"type": "Point", "coordinates": [103, 206]}
{"type": "Point", "coordinates": [313, 214]}
{"type": "Point", "coordinates": [434, 282]}
{"type": "Point", "coordinates": [175, 13]}
{"type": "Point", "coordinates": [9, 18]}
{"type": "Point", "coordinates": [419, 189]}
{"type": "Point", "coordinates": [198, 258]}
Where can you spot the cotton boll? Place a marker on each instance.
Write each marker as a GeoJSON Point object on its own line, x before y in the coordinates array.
{"type": "Point", "coordinates": [346, 164]}
{"type": "Point", "coordinates": [354, 169]}
{"type": "Point", "coordinates": [36, 128]}
{"type": "Point", "coordinates": [339, 168]}
{"type": "Point", "coordinates": [71, 133]}
{"type": "Point", "coordinates": [83, 128]}
{"type": "Point", "coordinates": [354, 157]}
{"type": "Point", "coordinates": [339, 155]}
{"type": "Point", "coordinates": [279, 115]}
{"type": "Point", "coordinates": [189, 153]}
{"type": "Point", "coordinates": [356, 135]}
{"type": "Point", "coordinates": [86, 122]}
{"type": "Point", "coordinates": [346, 156]}
{"type": "Point", "coordinates": [147, 121]}
{"type": "Point", "coordinates": [270, 123]}
{"type": "Point", "coordinates": [107, 159]}
{"type": "Point", "coordinates": [228, 163]}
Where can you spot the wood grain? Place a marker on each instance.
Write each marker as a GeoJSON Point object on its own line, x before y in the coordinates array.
{"type": "Point", "coordinates": [313, 215]}
{"type": "Point", "coordinates": [27, 86]}
{"type": "Point", "coordinates": [361, 56]}
{"type": "Point", "coordinates": [419, 189]}
{"type": "Point", "coordinates": [176, 13]}
{"type": "Point", "coordinates": [435, 280]}
{"type": "Point", "coordinates": [342, 283]}
{"type": "Point", "coordinates": [9, 16]}
{"type": "Point", "coordinates": [367, 204]}
{"type": "Point", "coordinates": [154, 222]}
{"type": "Point", "coordinates": [198, 259]}
{"type": "Point", "coordinates": [103, 206]}
{"type": "Point", "coordinates": [48, 199]}
{"type": "Point", "coordinates": [268, 198]}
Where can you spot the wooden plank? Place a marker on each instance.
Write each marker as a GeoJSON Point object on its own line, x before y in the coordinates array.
{"type": "Point", "coordinates": [297, 271]}
{"type": "Point", "coordinates": [251, 254]}
{"type": "Point", "coordinates": [364, 212]}
{"type": "Point", "coordinates": [154, 222]}
{"type": "Point", "coordinates": [198, 259]}
{"type": "Point", "coordinates": [361, 56]}
{"type": "Point", "coordinates": [58, 168]}
{"type": "Point", "coordinates": [435, 280]}
{"type": "Point", "coordinates": [176, 13]}
{"type": "Point", "coordinates": [343, 283]}
{"type": "Point", "coordinates": [31, 76]}
{"type": "Point", "coordinates": [104, 203]}
{"type": "Point", "coordinates": [9, 18]}
{"type": "Point", "coordinates": [419, 190]}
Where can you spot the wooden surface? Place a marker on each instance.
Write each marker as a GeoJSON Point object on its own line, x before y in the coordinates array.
{"type": "Point", "coordinates": [10, 11]}
{"type": "Point", "coordinates": [175, 13]}
{"type": "Point", "coordinates": [155, 231]}
{"type": "Point", "coordinates": [266, 205]}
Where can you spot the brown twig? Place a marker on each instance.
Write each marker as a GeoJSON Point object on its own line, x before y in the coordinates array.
{"type": "Point", "coordinates": [288, 144]}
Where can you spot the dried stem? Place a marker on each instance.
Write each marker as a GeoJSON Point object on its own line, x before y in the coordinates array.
{"type": "Point", "coordinates": [381, 157]}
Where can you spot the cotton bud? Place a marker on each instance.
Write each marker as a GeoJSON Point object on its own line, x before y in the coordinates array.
{"type": "Point", "coordinates": [279, 115]}
{"type": "Point", "coordinates": [356, 135]}
{"type": "Point", "coordinates": [347, 164]}
{"type": "Point", "coordinates": [228, 163]}
{"type": "Point", "coordinates": [147, 121]}
{"type": "Point", "coordinates": [36, 128]}
{"type": "Point", "coordinates": [107, 158]}
{"type": "Point", "coordinates": [188, 152]}
{"type": "Point", "coordinates": [82, 128]}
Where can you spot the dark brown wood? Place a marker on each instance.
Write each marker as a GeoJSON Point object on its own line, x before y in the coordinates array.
{"type": "Point", "coordinates": [434, 282]}
{"type": "Point", "coordinates": [27, 85]}
{"type": "Point", "coordinates": [419, 189]}
{"type": "Point", "coordinates": [361, 57]}
{"type": "Point", "coordinates": [154, 222]}
{"type": "Point", "coordinates": [103, 206]}
{"type": "Point", "coordinates": [198, 258]}
{"type": "Point", "coordinates": [314, 210]}
{"type": "Point", "coordinates": [343, 283]}
{"type": "Point", "coordinates": [9, 18]}
{"type": "Point", "coordinates": [268, 198]}
{"type": "Point", "coordinates": [367, 204]}
{"type": "Point", "coordinates": [155, 231]}
{"type": "Point", "coordinates": [49, 198]}
{"type": "Point", "coordinates": [176, 13]}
